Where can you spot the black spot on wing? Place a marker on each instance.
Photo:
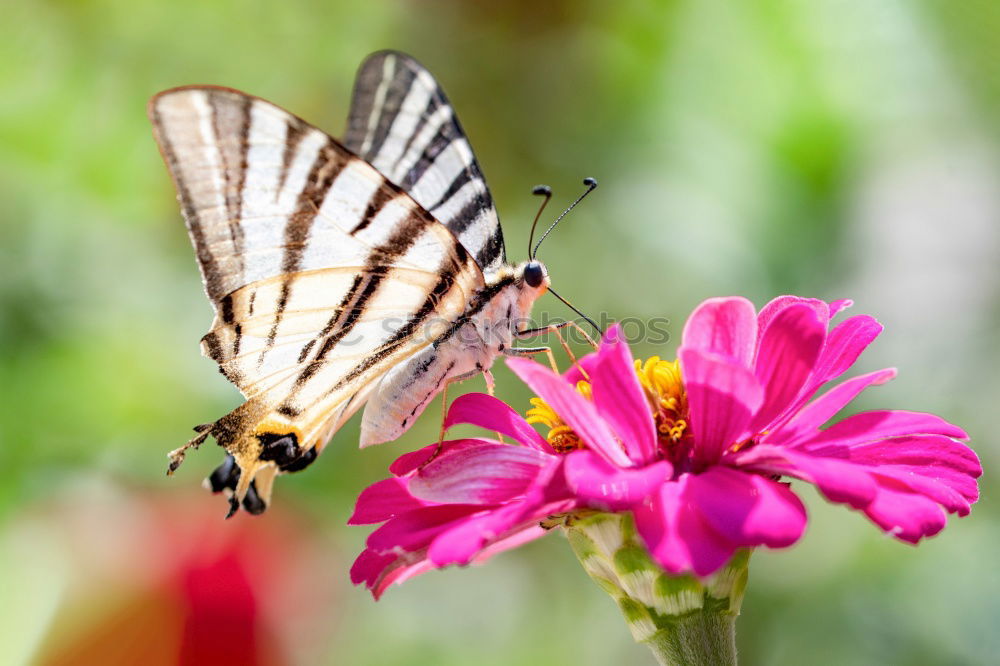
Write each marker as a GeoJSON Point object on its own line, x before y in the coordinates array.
{"type": "Point", "coordinates": [238, 337]}
{"type": "Point", "coordinates": [226, 309]}
{"type": "Point", "coordinates": [213, 347]}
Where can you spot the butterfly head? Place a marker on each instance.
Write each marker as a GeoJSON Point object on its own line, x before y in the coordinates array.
{"type": "Point", "coordinates": [533, 275]}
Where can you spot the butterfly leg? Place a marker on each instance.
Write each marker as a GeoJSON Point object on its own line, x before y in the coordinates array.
{"type": "Point", "coordinates": [444, 404]}
{"type": "Point", "coordinates": [583, 332]}
{"type": "Point", "coordinates": [177, 455]}
{"type": "Point", "coordinates": [531, 351]}
{"type": "Point", "coordinates": [554, 328]}
{"type": "Point", "coordinates": [490, 390]}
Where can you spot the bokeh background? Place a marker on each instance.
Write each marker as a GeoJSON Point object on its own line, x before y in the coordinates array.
{"type": "Point", "coordinates": [830, 148]}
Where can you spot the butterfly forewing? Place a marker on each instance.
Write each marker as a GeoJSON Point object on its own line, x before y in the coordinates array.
{"type": "Point", "coordinates": [323, 274]}
{"type": "Point", "coordinates": [402, 123]}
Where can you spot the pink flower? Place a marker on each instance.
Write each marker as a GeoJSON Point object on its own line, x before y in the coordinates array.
{"type": "Point", "coordinates": [694, 455]}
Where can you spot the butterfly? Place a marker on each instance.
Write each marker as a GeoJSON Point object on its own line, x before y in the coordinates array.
{"type": "Point", "coordinates": [368, 272]}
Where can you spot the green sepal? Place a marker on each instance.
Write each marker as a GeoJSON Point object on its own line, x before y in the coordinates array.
{"type": "Point", "coordinates": [683, 619]}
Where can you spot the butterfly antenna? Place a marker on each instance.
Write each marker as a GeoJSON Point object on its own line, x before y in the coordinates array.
{"type": "Point", "coordinates": [591, 184]}
{"type": "Point", "coordinates": [542, 191]}
{"type": "Point", "coordinates": [573, 308]}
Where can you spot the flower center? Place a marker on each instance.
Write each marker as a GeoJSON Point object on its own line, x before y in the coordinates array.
{"type": "Point", "coordinates": [663, 385]}
{"type": "Point", "coordinates": [561, 437]}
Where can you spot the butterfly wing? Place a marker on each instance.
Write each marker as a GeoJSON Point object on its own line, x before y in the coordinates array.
{"type": "Point", "coordinates": [322, 273]}
{"type": "Point", "coordinates": [402, 123]}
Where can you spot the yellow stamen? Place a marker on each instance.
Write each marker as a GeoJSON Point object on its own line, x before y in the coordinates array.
{"type": "Point", "coordinates": [663, 385]}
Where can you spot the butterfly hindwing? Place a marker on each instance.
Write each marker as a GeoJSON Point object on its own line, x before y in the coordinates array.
{"type": "Point", "coordinates": [402, 123]}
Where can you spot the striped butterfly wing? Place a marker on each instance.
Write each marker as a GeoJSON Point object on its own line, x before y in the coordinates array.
{"type": "Point", "coordinates": [322, 273]}
{"type": "Point", "coordinates": [402, 123]}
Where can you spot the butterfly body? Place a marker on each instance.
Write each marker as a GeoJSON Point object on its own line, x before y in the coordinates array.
{"type": "Point", "coordinates": [341, 274]}
{"type": "Point", "coordinates": [487, 329]}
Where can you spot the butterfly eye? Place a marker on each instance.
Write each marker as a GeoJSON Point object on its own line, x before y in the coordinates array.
{"type": "Point", "coordinates": [534, 274]}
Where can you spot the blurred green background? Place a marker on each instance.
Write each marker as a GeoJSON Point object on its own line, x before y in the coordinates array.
{"type": "Point", "coordinates": [829, 148]}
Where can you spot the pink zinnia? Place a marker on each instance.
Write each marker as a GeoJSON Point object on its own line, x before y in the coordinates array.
{"type": "Point", "coordinates": [694, 455]}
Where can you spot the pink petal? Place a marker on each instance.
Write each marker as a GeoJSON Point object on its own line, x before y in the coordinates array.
{"type": "Point", "coordinates": [788, 351]}
{"type": "Point", "coordinates": [806, 421]}
{"type": "Point", "coordinates": [410, 462]}
{"type": "Point", "coordinates": [722, 397]}
{"type": "Point", "coordinates": [549, 486]}
{"type": "Point", "coordinates": [487, 474]}
{"type": "Point", "coordinates": [381, 501]}
{"type": "Point", "coordinates": [379, 571]}
{"type": "Point", "coordinates": [839, 305]}
{"type": "Point", "coordinates": [748, 509]}
{"type": "Point", "coordinates": [524, 534]}
{"type": "Point", "coordinates": [582, 369]}
{"type": "Point", "coordinates": [935, 489]}
{"type": "Point", "coordinates": [839, 480]}
{"type": "Point", "coordinates": [431, 537]}
{"type": "Point", "coordinates": [656, 522]}
{"type": "Point", "coordinates": [917, 450]}
{"type": "Point", "coordinates": [843, 346]}
{"type": "Point", "coordinates": [603, 486]}
{"type": "Point", "coordinates": [776, 306]}
{"type": "Point", "coordinates": [492, 414]}
{"type": "Point", "coordinates": [923, 463]}
{"type": "Point", "coordinates": [620, 400]}
{"type": "Point", "coordinates": [905, 515]}
{"type": "Point", "coordinates": [723, 326]}
{"type": "Point", "coordinates": [368, 566]}
{"type": "Point", "coordinates": [880, 424]}
{"type": "Point", "coordinates": [677, 535]}
{"type": "Point", "coordinates": [546, 496]}
{"type": "Point", "coordinates": [464, 542]}
{"type": "Point", "coordinates": [416, 529]}
{"type": "Point", "coordinates": [959, 482]}
{"type": "Point", "coordinates": [933, 466]}
{"type": "Point", "coordinates": [575, 410]}
{"type": "Point", "coordinates": [399, 575]}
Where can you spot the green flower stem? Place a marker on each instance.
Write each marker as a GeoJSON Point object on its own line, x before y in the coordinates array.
{"type": "Point", "coordinates": [696, 639]}
{"type": "Point", "coordinates": [684, 621]}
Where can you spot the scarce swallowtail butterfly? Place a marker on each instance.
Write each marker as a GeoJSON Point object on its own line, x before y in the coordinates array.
{"type": "Point", "coordinates": [365, 272]}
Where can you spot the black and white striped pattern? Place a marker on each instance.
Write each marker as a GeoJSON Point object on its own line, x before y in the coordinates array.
{"type": "Point", "coordinates": [332, 276]}
{"type": "Point", "coordinates": [303, 246]}
{"type": "Point", "coordinates": [402, 124]}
